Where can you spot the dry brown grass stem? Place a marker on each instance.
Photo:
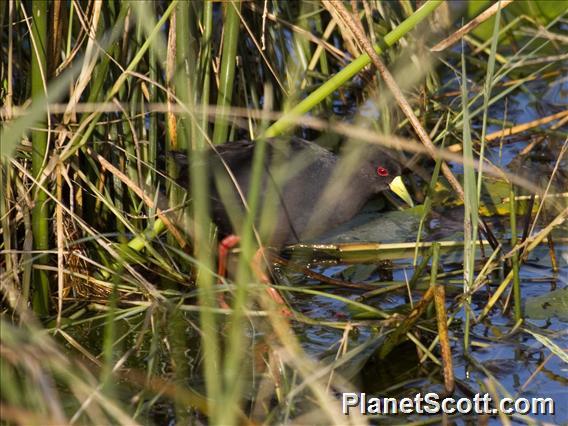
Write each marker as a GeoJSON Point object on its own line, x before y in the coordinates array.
{"type": "Point", "coordinates": [526, 126]}
{"type": "Point", "coordinates": [445, 348]}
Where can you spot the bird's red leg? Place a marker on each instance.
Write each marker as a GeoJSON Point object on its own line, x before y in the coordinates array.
{"type": "Point", "coordinates": [225, 245]}
{"type": "Point", "coordinates": [257, 267]}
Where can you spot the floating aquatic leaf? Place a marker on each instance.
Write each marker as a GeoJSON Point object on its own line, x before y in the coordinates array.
{"type": "Point", "coordinates": [547, 306]}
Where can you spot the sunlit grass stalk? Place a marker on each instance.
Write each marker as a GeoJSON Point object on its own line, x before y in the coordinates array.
{"type": "Point", "coordinates": [9, 259]}
{"type": "Point", "coordinates": [515, 256]}
{"type": "Point", "coordinates": [40, 214]}
{"type": "Point", "coordinates": [5, 170]}
{"type": "Point", "coordinates": [109, 341]}
{"type": "Point", "coordinates": [152, 150]}
{"type": "Point", "coordinates": [235, 361]}
{"type": "Point", "coordinates": [487, 97]}
{"type": "Point", "coordinates": [185, 73]}
{"type": "Point", "coordinates": [339, 79]}
{"type": "Point", "coordinates": [183, 80]}
{"type": "Point", "coordinates": [70, 27]}
{"type": "Point", "coordinates": [205, 71]}
{"type": "Point", "coordinates": [233, 368]}
{"type": "Point", "coordinates": [205, 279]}
{"type": "Point", "coordinates": [227, 69]}
{"type": "Point", "coordinates": [203, 250]}
{"type": "Point", "coordinates": [471, 216]}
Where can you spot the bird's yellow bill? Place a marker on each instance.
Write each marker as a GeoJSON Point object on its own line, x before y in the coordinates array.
{"type": "Point", "coordinates": [397, 186]}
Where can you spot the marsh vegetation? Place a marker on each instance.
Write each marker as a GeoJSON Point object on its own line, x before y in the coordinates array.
{"type": "Point", "coordinates": [109, 310]}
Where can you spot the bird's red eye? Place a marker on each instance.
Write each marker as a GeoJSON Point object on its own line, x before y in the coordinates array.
{"type": "Point", "coordinates": [381, 171]}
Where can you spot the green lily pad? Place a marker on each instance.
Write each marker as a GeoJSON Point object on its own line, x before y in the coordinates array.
{"type": "Point", "coordinates": [547, 306]}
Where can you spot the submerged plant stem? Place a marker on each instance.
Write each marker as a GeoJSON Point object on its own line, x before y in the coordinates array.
{"type": "Point", "coordinates": [515, 257]}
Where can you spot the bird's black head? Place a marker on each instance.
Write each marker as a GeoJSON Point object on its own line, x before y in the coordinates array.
{"type": "Point", "coordinates": [377, 165]}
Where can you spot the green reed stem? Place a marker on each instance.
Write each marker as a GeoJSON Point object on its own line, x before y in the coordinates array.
{"type": "Point", "coordinates": [227, 73]}
{"type": "Point", "coordinates": [487, 97]}
{"type": "Point", "coordinates": [185, 73]}
{"type": "Point", "coordinates": [205, 278]}
{"type": "Point", "coordinates": [515, 257]}
{"type": "Point", "coordinates": [205, 70]}
{"type": "Point", "coordinates": [109, 341]}
{"type": "Point", "coordinates": [233, 368]}
{"type": "Point", "coordinates": [152, 150]}
{"type": "Point", "coordinates": [40, 213]}
{"type": "Point", "coordinates": [471, 216]}
{"type": "Point", "coordinates": [435, 260]}
{"type": "Point", "coordinates": [202, 216]}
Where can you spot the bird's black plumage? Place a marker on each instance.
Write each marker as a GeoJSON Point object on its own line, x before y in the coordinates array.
{"type": "Point", "coordinates": [305, 189]}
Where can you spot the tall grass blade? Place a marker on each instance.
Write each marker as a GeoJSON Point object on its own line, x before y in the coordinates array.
{"type": "Point", "coordinates": [471, 215]}
{"type": "Point", "coordinates": [227, 71]}
{"type": "Point", "coordinates": [40, 213]}
{"type": "Point", "coordinates": [487, 88]}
